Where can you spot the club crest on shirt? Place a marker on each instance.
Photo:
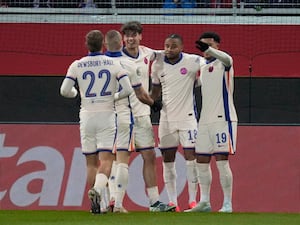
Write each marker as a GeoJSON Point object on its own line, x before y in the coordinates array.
{"type": "Point", "coordinates": [183, 71]}
{"type": "Point", "coordinates": [210, 69]}
{"type": "Point", "coordinates": [138, 72]}
{"type": "Point", "coordinates": [145, 60]}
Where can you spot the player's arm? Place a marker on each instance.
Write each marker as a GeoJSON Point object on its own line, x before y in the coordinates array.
{"type": "Point", "coordinates": [156, 85]}
{"type": "Point", "coordinates": [143, 96]}
{"type": "Point", "coordinates": [156, 96]}
{"type": "Point", "coordinates": [126, 87]}
{"type": "Point", "coordinates": [155, 91]}
{"type": "Point", "coordinates": [157, 66]}
{"type": "Point", "coordinates": [67, 88]}
{"type": "Point", "coordinates": [222, 56]}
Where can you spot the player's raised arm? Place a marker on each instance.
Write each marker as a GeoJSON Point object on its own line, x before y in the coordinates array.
{"type": "Point", "coordinates": [209, 46]}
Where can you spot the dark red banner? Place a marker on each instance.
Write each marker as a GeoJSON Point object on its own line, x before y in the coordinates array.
{"type": "Point", "coordinates": [48, 49]}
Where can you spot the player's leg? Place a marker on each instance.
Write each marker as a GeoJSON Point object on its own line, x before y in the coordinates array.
{"type": "Point", "coordinates": [226, 144]}
{"type": "Point", "coordinates": [122, 176]}
{"type": "Point", "coordinates": [150, 179]}
{"type": "Point", "coordinates": [124, 146]}
{"type": "Point", "coordinates": [103, 173]}
{"type": "Point", "coordinates": [187, 140]}
{"type": "Point", "coordinates": [170, 175]}
{"type": "Point", "coordinates": [169, 141]}
{"type": "Point", "coordinates": [226, 180]}
{"type": "Point", "coordinates": [104, 140]}
{"type": "Point", "coordinates": [144, 142]}
{"type": "Point", "coordinates": [101, 180]}
{"type": "Point", "coordinates": [92, 163]}
{"type": "Point", "coordinates": [203, 157]}
{"type": "Point", "coordinates": [105, 196]}
{"type": "Point", "coordinates": [89, 149]}
{"type": "Point", "coordinates": [192, 179]}
{"type": "Point", "coordinates": [112, 186]}
{"type": "Point", "coordinates": [205, 179]}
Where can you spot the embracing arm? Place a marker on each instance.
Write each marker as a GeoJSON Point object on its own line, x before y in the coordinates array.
{"type": "Point", "coordinates": [67, 88]}
{"type": "Point", "coordinates": [126, 88]}
{"type": "Point", "coordinates": [143, 96]}
{"type": "Point", "coordinates": [155, 91]}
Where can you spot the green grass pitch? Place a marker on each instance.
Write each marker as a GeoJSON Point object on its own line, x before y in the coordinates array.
{"type": "Point", "coordinates": [25, 217]}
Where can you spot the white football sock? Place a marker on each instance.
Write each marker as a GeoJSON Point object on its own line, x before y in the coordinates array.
{"type": "Point", "coordinates": [153, 194]}
{"type": "Point", "coordinates": [100, 182]}
{"type": "Point", "coordinates": [169, 174]}
{"type": "Point", "coordinates": [121, 183]}
{"type": "Point", "coordinates": [192, 179]}
{"type": "Point", "coordinates": [112, 180]}
{"type": "Point", "coordinates": [205, 178]}
{"type": "Point", "coordinates": [226, 179]}
{"type": "Point", "coordinates": [104, 198]}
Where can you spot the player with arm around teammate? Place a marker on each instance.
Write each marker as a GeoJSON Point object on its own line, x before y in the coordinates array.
{"type": "Point", "coordinates": [217, 129]}
{"type": "Point", "coordinates": [125, 123]}
{"type": "Point", "coordinates": [174, 74]}
{"type": "Point", "coordinates": [143, 135]}
{"type": "Point", "coordinates": [97, 76]}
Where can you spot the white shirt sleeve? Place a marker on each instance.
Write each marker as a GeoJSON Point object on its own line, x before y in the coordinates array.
{"type": "Point", "coordinates": [157, 66]}
{"type": "Point", "coordinates": [126, 88]}
{"type": "Point", "coordinates": [222, 56]}
{"type": "Point", "coordinates": [67, 88]}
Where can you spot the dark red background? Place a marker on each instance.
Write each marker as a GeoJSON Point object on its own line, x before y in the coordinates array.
{"type": "Point", "coordinates": [48, 49]}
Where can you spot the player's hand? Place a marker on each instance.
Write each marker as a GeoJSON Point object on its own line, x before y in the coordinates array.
{"type": "Point", "coordinates": [201, 46]}
{"type": "Point", "coordinates": [157, 105]}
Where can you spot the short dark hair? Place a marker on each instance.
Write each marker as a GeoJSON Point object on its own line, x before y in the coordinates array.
{"type": "Point", "coordinates": [212, 35]}
{"type": "Point", "coordinates": [133, 26]}
{"type": "Point", "coordinates": [94, 40]}
{"type": "Point", "coordinates": [176, 36]}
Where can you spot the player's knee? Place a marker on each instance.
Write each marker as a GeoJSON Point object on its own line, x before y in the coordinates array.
{"type": "Point", "coordinates": [149, 156]}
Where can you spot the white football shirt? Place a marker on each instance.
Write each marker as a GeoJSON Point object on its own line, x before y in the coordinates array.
{"type": "Point", "coordinates": [123, 106]}
{"type": "Point", "coordinates": [142, 62]}
{"type": "Point", "coordinates": [97, 76]}
{"type": "Point", "coordinates": [217, 85]}
{"type": "Point", "coordinates": [177, 82]}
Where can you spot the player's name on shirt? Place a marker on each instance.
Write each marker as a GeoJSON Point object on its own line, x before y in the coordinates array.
{"type": "Point", "coordinates": [95, 63]}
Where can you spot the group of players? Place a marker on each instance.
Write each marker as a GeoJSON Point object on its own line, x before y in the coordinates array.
{"type": "Point", "coordinates": [116, 107]}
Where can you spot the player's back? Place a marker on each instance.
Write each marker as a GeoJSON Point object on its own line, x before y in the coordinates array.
{"type": "Point", "coordinates": [97, 80]}
{"type": "Point", "coordinates": [123, 106]}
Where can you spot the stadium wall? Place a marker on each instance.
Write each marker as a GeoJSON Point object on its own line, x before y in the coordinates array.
{"type": "Point", "coordinates": [48, 49]}
{"type": "Point", "coordinates": [36, 99]}
{"type": "Point", "coordinates": [42, 168]}
{"type": "Point", "coordinates": [35, 56]}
